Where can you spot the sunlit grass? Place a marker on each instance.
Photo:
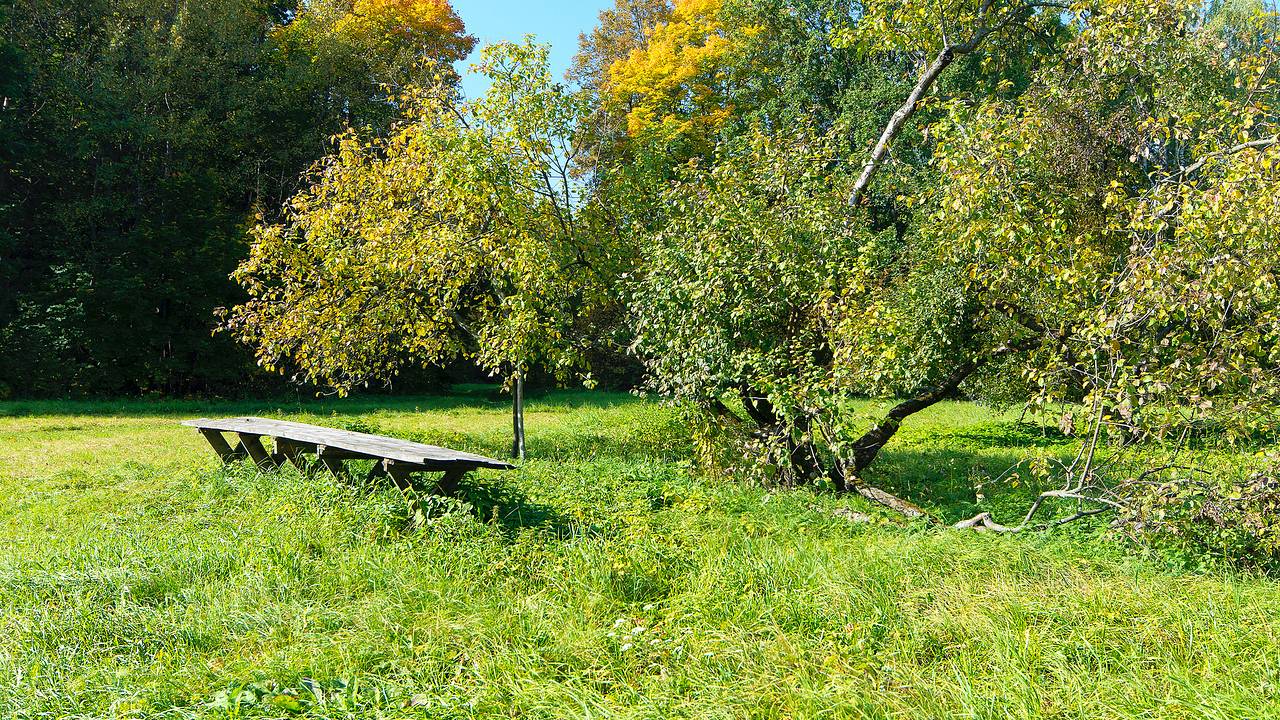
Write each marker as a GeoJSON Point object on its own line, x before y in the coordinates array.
{"type": "Point", "coordinates": [139, 579]}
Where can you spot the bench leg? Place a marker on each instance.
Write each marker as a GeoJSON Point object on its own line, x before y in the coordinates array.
{"type": "Point", "coordinates": [375, 472]}
{"type": "Point", "coordinates": [337, 467]}
{"type": "Point", "coordinates": [252, 444]}
{"type": "Point", "coordinates": [287, 450]}
{"type": "Point", "coordinates": [447, 484]}
{"type": "Point", "coordinates": [220, 446]}
{"type": "Point", "coordinates": [399, 475]}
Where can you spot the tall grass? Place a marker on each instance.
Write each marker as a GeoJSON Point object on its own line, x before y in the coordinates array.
{"type": "Point", "coordinates": [601, 579]}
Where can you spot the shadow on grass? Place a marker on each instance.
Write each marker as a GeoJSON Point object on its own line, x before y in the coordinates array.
{"type": "Point", "coordinates": [482, 397]}
{"type": "Point", "coordinates": [510, 509]}
{"type": "Point", "coordinates": [645, 437]}
{"type": "Point", "coordinates": [958, 483]}
{"type": "Point", "coordinates": [1010, 434]}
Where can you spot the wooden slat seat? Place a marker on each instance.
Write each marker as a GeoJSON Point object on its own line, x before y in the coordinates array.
{"type": "Point", "coordinates": [396, 458]}
{"type": "Point", "coordinates": [361, 444]}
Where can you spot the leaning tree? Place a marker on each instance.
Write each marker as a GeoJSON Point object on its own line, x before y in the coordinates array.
{"type": "Point", "coordinates": [744, 292]}
{"type": "Point", "coordinates": [1099, 238]}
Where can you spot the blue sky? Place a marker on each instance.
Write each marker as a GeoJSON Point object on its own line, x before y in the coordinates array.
{"type": "Point", "coordinates": [557, 22]}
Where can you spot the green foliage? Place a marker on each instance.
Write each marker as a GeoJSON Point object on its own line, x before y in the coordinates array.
{"type": "Point", "coordinates": [1202, 515]}
{"type": "Point", "coordinates": [736, 282]}
{"type": "Point", "coordinates": [738, 297]}
{"type": "Point", "coordinates": [1115, 217]}
{"type": "Point", "coordinates": [459, 235]}
{"type": "Point", "coordinates": [140, 139]}
{"type": "Point", "coordinates": [797, 299]}
{"type": "Point", "coordinates": [1092, 239]}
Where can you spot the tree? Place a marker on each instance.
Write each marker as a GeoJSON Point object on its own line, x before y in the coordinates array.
{"type": "Point", "coordinates": [1122, 218]}
{"type": "Point", "coordinates": [772, 231]}
{"type": "Point", "coordinates": [395, 43]}
{"type": "Point", "coordinates": [734, 300]}
{"type": "Point", "coordinates": [672, 80]}
{"type": "Point", "coordinates": [1093, 164]}
{"type": "Point", "coordinates": [1103, 237]}
{"type": "Point", "coordinates": [622, 30]}
{"type": "Point", "coordinates": [459, 235]}
{"type": "Point", "coordinates": [675, 87]}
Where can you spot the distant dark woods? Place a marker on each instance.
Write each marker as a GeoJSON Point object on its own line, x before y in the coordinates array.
{"type": "Point", "coordinates": [138, 140]}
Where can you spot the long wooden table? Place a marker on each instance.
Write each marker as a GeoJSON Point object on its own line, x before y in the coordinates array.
{"type": "Point", "coordinates": [294, 442]}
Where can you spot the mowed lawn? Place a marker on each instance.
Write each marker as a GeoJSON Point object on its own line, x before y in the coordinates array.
{"type": "Point", "coordinates": [601, 579]}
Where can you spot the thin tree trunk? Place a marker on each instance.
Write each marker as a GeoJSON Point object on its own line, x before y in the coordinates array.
{"type": "Point", "coordinates": [801, 455]}
{"type": "Point", "coordinates": [867, 447]}
{"type": "Point", "coordinates": [928, 78]}
{"type": "Point", "coordinates": [517, 416]}
{"type": "Point", "coordinates": [899, 119]}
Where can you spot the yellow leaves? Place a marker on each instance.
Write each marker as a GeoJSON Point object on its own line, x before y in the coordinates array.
{"type": "Point", "coordinates": [435, 242]}
{"type": "Point", "coordinates": [408, 16]}
{"type": "Point", "coordinates": [675, 82]}
{"type": "Point", "coordinates": [427, 28]}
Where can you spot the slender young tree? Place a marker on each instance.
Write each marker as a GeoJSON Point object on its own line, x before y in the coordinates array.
{"type": "Point", "coordinates": [459, 236]}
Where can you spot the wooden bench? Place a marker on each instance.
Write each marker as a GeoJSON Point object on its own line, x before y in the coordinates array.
{"type": "Point", "coordinates": [293, 442]}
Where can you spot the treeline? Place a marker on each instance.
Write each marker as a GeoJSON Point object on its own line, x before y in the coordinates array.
{"type": "Point", "coordinates": [139, 141]}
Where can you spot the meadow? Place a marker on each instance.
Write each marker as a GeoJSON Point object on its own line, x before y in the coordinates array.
{"type": "Point", "coordinates": [602, 579]}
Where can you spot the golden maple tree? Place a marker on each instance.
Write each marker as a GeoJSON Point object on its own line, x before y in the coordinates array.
{"type": "Point", "coordinates": [431, 26]}
{"type": "Point", "coordinates": [677, 84]}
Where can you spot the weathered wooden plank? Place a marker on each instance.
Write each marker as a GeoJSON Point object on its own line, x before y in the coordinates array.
{"type": "Point", "coordinates": [365, 444]}
{"type": "Point", "coordinates": [324, 451]}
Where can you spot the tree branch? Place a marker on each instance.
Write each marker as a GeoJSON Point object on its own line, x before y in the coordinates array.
{"type": "Point", "coordinates": [1259, 144]}
{"type": "Point", "coordinates": [899, 118]}
{"type": "Point", "coordinates": [867, 448]}
{"type": "Point", "coordinates": [947, 55]}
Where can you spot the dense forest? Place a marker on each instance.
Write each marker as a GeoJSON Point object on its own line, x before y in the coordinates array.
{"type": "Point", "coordinates": [141, 139]}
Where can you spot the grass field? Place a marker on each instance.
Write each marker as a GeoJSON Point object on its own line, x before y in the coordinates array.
{"type": "Point", "coordinates": [601, 579]}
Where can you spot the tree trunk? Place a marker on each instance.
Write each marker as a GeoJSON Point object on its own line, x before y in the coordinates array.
{"type": "Point", "coordinates": [867, 447]}
{"type": "Point", "coordinates": [517, 416]}
{"type": "Point", "coordinates": [928, 78]}
{"type": "Point", "coordinates": [802, 455]}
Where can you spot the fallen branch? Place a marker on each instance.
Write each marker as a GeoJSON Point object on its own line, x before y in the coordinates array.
{"type": "Point", "coordinates": [984, 520]}
{"type": "Point", "coordinates": [891, 501]}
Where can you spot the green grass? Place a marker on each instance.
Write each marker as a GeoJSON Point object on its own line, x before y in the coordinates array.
{"type": "Point", "coordinates": [139, 579]}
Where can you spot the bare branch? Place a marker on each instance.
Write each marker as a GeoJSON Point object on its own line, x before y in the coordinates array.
{"type": "Point", "coordinates": [1252, 144]}
{"type": "Point", "coordinates": [949, 53]}
{"type": "Point", "coordinates": [904, 112]}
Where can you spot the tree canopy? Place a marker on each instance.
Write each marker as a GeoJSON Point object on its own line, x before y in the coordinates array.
{"type": "Point", "coordinates": [458, 235]}
{"type": "Point", "coordinates": [140, 139]}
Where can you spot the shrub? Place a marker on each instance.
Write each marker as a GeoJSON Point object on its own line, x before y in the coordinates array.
{"type": "Point", "coordinates": [1201, 518]}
